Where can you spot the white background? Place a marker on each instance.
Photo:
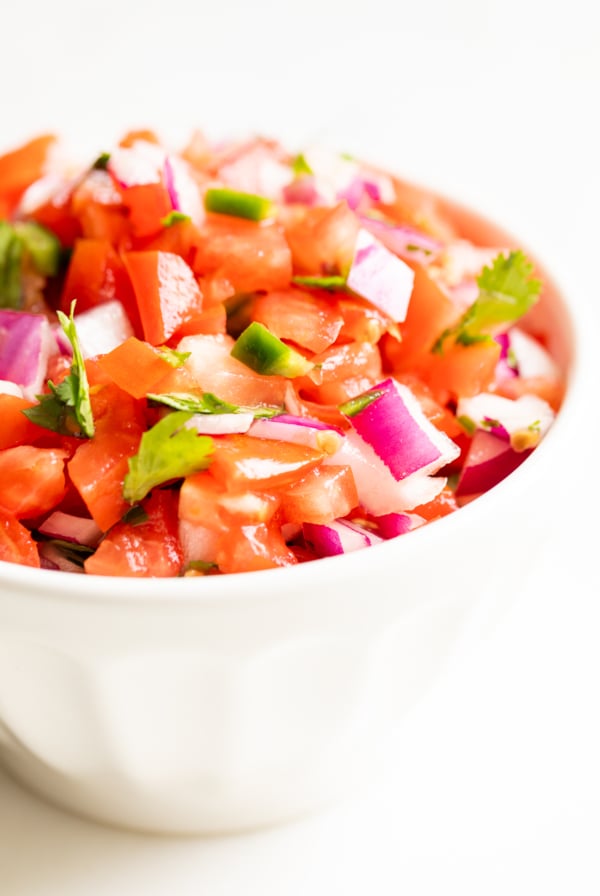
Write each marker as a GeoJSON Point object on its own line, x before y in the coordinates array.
{"type": "Point", "coordinates": [494, 787]}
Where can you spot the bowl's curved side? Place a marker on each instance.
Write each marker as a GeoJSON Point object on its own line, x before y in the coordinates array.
{"type": "Point", "coordinates": [231, 702]}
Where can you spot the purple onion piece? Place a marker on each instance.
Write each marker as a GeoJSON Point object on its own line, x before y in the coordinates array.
{"type": "Point", "coordinates": [26, 344]}
{"type": "Point", "coordinates": [380, 277]}
{"type": "Point", "coordinates": [337, 537]}
{"type": "Point", "coordinates": [407, 242]}
{"type": "Point", "coordinates": [67, 527]}
{"type": "Point", "coordinates": [488, 462]}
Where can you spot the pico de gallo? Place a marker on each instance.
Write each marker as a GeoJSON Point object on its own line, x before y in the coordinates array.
{"type": "Point", "coordinates": [232, 357]}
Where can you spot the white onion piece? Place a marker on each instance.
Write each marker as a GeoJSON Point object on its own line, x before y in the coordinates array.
{"type": "Point", "coordinates": [380, 277]}
{"type": "Point", "coordinates": [26, 344]}
{"type": "Point", "coordinates": [220, 424]}
{"type": "Point", "coordinates": [9, 388]}
{"type": "Point", "coordinates": [338, 537]}
{"type": "Point", "coordinates": [136, 165]}
{"type": "Point", "coordinates": [100, 329]}
{"type": "Point", "coordinates": [197, 542]}
{"type": "Point", "coordinates": [532, 358]}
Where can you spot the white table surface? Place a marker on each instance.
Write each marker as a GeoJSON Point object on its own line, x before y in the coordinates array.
{"type": "Point", "coordinates": [495, 788]}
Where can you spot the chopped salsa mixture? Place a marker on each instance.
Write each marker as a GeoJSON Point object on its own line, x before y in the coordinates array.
{"type": "Point", "coordinates": [232, 357]}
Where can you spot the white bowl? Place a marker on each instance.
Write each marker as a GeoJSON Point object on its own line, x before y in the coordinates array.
{"type": "Point", "coordinates": [223, 703]}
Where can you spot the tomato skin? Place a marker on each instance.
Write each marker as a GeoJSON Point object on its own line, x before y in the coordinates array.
{"type": "Point", "coordinates": [242, 461]}
{"type": "Point", "coordinates": [150, 548]}
{"type": "Point", "coordinates": [462, 370]}
{"type": "Point", "coordinates": [32, 480]}
{"type": "Point", "coordinates": [147, 205]}
{"type": "Point", "coordinates": [310, 321]}
{"type": "Point", "coordinates": [135, 366]}
{"type": "Point", "coordinates": [99, 465]}
{"type": "Point", "coordinates": [21, 167]}
{"type": "Point", "coordinates": [322, 239]}
{"type": "Point", "coordinates": [166, 291]}
{"type": "Point", "coordinates": [16, 543]}
{"type": "Point", "coordinates": [342, 372]}
{"type": "Point", "coordinates": [430, 312]}
{"type": "Point", "coordinates": [96, 275]}
{"type": "Point", "coordinates": [324, 494]}
{"type": "Point", "coordinates": [253, 547]}
{"type": "Point", "coordinates": [15, 428]}
{"type": "Point", "coordinates": [250, 256]}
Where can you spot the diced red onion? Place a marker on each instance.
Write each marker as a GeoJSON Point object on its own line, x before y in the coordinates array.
{"type": "Point", "coordinates": [505, 368]}
{"type": "Point", "coordinates": [378, 490]}
{"type": "Point", "coordinates": [407, 242]}
{"type": "Point", "coordinates": [68, 527]}
{"type": "Point", "coordinates": [26, 344]}
{"type": "Point", "coordinates": [183, 190]}
{"type": "Point", "coordinates": [532, 358]}
{"type": "Point", "coordinates": [489, 460]}
{"type": "Point", "coordinates": [52, 557]}
{"type": "Point", "coordinates": [396, 428]}
{"type": "Point", "coordinates": [505, 417]}
{"type": "Point", "coordinates": [390, 525]}
{"type": "Point", "coordinates": [302, 190]}
{"type": "Point", "coordinates": [257, 169]}
{"type": "Point", "coordinates": [220, 424]}
{"type": "Point", "coordinates": [381, 277]}
{"type": "Point", "coordinates": [337, 537]}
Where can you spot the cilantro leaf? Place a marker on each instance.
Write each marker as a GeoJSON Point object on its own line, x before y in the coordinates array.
{"type": "Point", "coordinates": [167, 451]}
{"type": "Point", "coordinates": [207, 403]}
{"type": "Point", "coordinates": [67, 408]}
{"type": "Point", "coordinates": [507, 291]}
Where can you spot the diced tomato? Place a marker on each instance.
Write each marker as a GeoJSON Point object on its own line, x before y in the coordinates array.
{"type": "Point", "coordinates": [297, 316]}
{"type": "Point", "coordinates": [363, 322]}
{"type": "Point", "coordinates": [342, 372]}
{"type": "Point", "coordinates": [551, 390]}
{"type": "Point", "coordinates": [180, 237]}
{"type": "Point", "coordinates": [322, 239]}
{"type": "Point", "coordinates": [100, 464]}
{"type": "Point", "coordinates": [430, 312]}
{"type": "Point", "coordinates": [166, 292]}
{"type": "Point", "coordinates": [444, 504]}
{"type": "Point", "coordinates": [252, 548]}
{"type": "Point", "coordinates": [417, 207]}
{"type": "Point", "coordinates": [243, 462]}
{"type": "Point", "coordinates": [135, 366]}
{"type": "Point", "coordinates": [32, 480]}
{"type": "Point", "coordinates": [462, 370]}
{"type": "Point", "coordinates": [21, 167]}
{"type": "Point", "coordinates": [147, 205]}
{"type": "Point", "coordinates": [251, 256]}
{"type": "Point", "coordinates": [210, 502]}
{"type": "Point", "coordinates": [149, 548]}
{"type": "Point", "coordinates": [57, 215]}
{"type": "Point", "coordinates": [325, 493]}
{"type": "Point", "coordinates": [131, 137]}
{"type": "Point", "coordinates": [214, 370]}
{"type": "Point", "coordinates": [15, 428]}
{"type": "Point", "coordinates": [98, 207]}
{"type": "Point", "coordinates": [16, 543]}
{"type": "Point", "coordinates": [96, 275]}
